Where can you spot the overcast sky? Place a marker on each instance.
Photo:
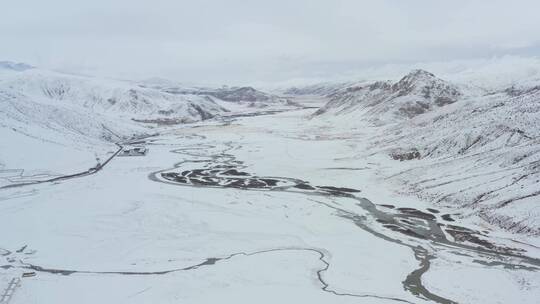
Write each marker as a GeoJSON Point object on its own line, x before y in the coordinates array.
{"type": "Point", "coordinates": [235, 41]}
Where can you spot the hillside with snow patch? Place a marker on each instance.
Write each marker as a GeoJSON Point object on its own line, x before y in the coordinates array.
{"type": "Point", "coordinates": [55, 121]}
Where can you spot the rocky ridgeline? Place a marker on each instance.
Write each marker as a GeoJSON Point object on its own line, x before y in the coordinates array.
{"type": "Point", "coordinates": [320, 89]}
{"type": "Point", "coordinates": [239, 94]}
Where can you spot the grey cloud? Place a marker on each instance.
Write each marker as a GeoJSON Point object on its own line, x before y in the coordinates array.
{"type": "Point", "coordinates": [245, 41]}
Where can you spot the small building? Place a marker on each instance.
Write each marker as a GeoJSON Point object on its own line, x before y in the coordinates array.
{"type": "Point", "coordinates": [133, 151]}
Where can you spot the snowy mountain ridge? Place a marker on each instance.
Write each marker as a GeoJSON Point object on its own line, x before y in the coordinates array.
{"type": "Point", "coordinates": [416, 93]}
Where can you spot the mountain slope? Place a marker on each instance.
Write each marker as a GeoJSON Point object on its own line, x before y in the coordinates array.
{"type": "Point", "coordinates": [109, 97]}
{"type": "Point", "coordinates": [483, 154]}
{"type": "Point", "coordinates": [54, 123]}
{"type": "Point", "coordinates": [243, 96]}
{"type": "Point", "coordinates": [477, 153]}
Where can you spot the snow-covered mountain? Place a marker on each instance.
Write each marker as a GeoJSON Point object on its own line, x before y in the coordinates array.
{"type": "Point", "coordinates": [101, 109]}
{"type": "Point", "coordinates": [471, 149]}
{"type": "Point", "coordinates": [81, 117]}
{"type": "Point", "coordinates": [239, 94]}
{"type": "Point", "coordinates": [56, 120]}
{"type": "Point", "coordinates": [321, 89]}
{"type": "Point", "coordinates": [248, 96]}
{"type": "Point", "coordinates": [416, 93]}
{"type": "Point", "coordinates": [109, 97]}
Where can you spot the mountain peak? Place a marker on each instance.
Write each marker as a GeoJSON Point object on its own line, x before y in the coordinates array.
{"type": "Point", "coordinates": [420, 73]}
{"type": "Point", "coordinates": [417, 75]}
{"type": "Point", "coordinates": [419, 80]}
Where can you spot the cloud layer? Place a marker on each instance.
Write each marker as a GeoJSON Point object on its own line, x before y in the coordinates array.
{"type": "Point", "coordinates": [211, 41]}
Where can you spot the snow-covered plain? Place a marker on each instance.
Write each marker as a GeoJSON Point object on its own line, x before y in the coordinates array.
{"type": "Point", "coordinates": [119, 236]}
{"type": "Point", "coordinates": [260, 204]}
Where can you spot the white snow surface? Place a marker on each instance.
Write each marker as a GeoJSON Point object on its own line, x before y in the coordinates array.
{"type": "Point", "coordinates": [120, 221]}
{"type": "Point", "coordinates": [125, 234]}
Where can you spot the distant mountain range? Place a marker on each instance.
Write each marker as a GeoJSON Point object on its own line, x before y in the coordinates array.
{"type": "Point", "coordinates": [240, 95]}
{"type": "Point", "coordinates": [321, 89]}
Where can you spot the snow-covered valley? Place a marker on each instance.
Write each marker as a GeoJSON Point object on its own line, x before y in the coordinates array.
{"type": "Point", "coordinates": [417, 190]}
{"type": "Point", "coordinates": [53, 123]}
